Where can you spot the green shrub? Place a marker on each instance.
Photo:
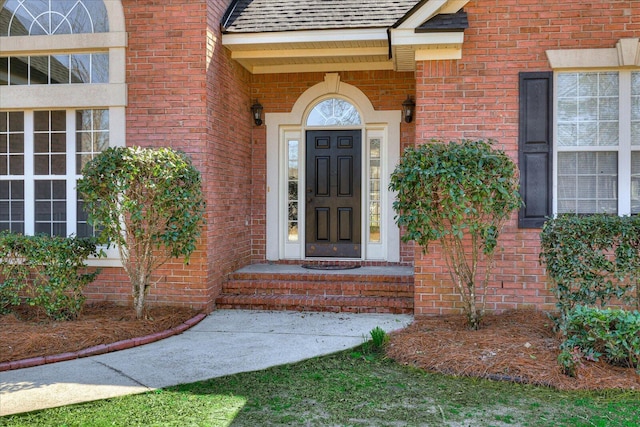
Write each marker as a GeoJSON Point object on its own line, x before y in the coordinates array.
{"type": "Point", "coordinates": [44, 272]}
{"type": "Point", "coordinates": [459, 195]}
{"type": "Point", "coordinates": [151, 207]}
{"type": "Point", "coordinates": [593, 333]}
{"type": "Point", "coordinates": [592, 259]}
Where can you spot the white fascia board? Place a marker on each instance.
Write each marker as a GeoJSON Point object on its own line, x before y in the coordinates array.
{"type": "Point", "coordinates": [327, 67]}
{"type": "Point", "coordinates": [430, 9]}
{"type": "Point", "coordinates": [408, 37]}
{"type": "Point", "coordinates": [309, 53]}
{"type": "Point", "coordinates": [438, 54]}
{"type": "Point", "coordinates": [248, 39]}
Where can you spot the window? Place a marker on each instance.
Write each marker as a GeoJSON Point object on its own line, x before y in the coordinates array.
{"type": "Point", "coordinates": [41, 156]}
{"type": "Point", "coordinates": [375, 217]}
{"type": "Point", "coordinates": [597, 147]}
{"type": "Point", "coordinates": [293, 184]}
{"type": "Point", "coordinates": [334, 112]}
{"type": "Point", "coordinates": [37, 17]}
{"type": "Point", "coordinates": [54, 69]}
{"type": "Point", "coordinates": [62, 101]}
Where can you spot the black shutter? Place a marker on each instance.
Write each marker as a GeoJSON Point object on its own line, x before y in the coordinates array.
{"type": "Point", "coordinates": [535, 147]}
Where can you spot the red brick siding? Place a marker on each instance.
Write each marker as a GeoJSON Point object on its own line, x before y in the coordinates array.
{"type": "Point", "coordinates": [185, 92]}
{"type": "Point", "coordinates": [477, 98]}
{"type": "Point", "coordinates": [278, 93]}
{"type": "Point", "coordinates": [229, 154]}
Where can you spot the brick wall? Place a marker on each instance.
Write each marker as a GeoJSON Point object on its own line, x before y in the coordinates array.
{"type": "Point", "coordinates": [477, 98]}
{"type": "Point", "coordinates": [278, 92]}
{"type": "Point", "coordinates": [185, 92]}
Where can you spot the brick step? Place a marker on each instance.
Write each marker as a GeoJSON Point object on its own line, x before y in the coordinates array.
{"type": "Point", "coordinates": [318, 288]}
{"type": "Point", "coordinates": [336, 304]}
{"type": "Point", "coordinates": [366, 290]}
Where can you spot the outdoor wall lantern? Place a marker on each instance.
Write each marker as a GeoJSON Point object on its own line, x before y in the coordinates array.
{"type": "Point", "coordinates": [256, 110]}
{"type": "Point", "coordinates": [408, 107]}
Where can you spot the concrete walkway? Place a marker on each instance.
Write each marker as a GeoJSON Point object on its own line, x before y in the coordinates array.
{"type": "Point", "coordinates": [225, 342]}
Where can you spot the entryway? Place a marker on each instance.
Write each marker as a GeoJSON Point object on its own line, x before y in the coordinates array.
{"type": "Point", "coordinates": [328, 165]}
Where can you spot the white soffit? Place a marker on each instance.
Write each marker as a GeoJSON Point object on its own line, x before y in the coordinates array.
{"type": "Point", "coordinates": [300, 51]}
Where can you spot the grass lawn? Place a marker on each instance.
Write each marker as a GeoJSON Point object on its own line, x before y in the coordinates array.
{"type": "Point", "coordinates": [352, 388]}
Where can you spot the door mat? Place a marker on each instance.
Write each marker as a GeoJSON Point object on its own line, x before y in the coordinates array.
{"type": "Point", "coordinates": [330, 266]}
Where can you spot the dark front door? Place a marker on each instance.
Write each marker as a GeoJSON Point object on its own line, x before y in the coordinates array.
{"type": "Point", "coordinates": [333, 196]}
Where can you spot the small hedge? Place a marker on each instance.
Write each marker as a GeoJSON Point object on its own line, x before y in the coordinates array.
{"type": "Point", "coordinates": [593, 333]}
{"type": "Point", "coordinates": [43, 272]}
{"type": "Point", "coordinates": [592, 259]}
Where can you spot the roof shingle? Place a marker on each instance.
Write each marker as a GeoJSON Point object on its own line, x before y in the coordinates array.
{"type": "Point", "coordinates": [256, 16]}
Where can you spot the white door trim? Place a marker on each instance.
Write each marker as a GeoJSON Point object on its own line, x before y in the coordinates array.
{"type": "Point", "coordinates": [386, 123]}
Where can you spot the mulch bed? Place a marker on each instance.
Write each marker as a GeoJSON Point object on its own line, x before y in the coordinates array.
{"type": "Point", "coordinates": [27, 334]}
{"type": "Point", "coordinates": [517, 346]}
{"type": "Point", "coordinates": [514, 346]}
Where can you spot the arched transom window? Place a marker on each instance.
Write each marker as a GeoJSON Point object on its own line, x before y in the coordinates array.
{"type": "Point", "coordinates": [334, 112]}
{"type": "Point", "coordinates": [48, 17]}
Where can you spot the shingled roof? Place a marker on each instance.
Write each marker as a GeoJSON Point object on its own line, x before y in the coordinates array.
{"type": "Point", "coordinates": [256, 16]}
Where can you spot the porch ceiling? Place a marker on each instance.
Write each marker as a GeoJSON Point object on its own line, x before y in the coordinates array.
{"type": "Point", "coordinates": [324, 47]}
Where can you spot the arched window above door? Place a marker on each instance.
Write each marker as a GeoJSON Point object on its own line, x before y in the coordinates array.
{"type": "Point", "coordinates": [33, 18]}
{"type": "Point", "coordinates": [334, 112]}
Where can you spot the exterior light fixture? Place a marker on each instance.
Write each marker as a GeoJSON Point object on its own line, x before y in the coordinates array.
{"type": "Point", "coordinates": [408, 107]}
{"type": "Point", "coordinates": [256, 110]}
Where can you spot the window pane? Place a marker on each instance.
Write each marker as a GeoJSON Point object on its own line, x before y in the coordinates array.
{"type": "Point", "coordinates": [4, 71]}
{"type": "Point", "coordinates": [41, 121]}
{"type": "Point", "coordinates": [60, 69]}
{"type": "Point", "coordinates": [99, 68]}
{"type": "Point", "coordinates": [18, 70]}
{"type": "Point", "coordinates": [635, 108]}
{"type": "Point", "coordinates": [293, 190]}
{"type": "Point", "coordinates": [58, 121]}
{"type": "Point", "coordinates": [635, 182]}
{"type": "Point", "coordinates": [16, 165]}
{"type": "Point", "coordinates": [39, 70]}
{"type": "Point", "coordinates": [80, 68]}
{"type": "Point", "coordinates": [587, 182]}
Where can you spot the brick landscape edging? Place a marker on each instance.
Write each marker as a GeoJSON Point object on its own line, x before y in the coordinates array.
{"type": "Point", "coordinates": [102, 348]}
